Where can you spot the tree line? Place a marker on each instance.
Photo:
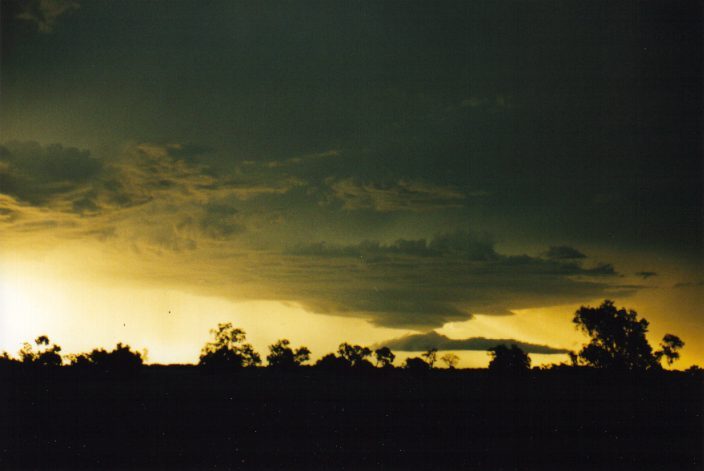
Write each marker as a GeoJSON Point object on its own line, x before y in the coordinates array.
{"type": "Point", "coordinates": [617, 341]}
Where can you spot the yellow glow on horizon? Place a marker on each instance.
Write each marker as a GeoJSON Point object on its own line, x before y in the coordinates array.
{"type": "Point", "coordinates": [81, 311]}
{"type": "Point", "coordinates": [81, 314]}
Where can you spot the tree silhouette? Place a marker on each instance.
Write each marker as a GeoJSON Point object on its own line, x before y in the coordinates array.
{"type": "Point", "coordinates": [668, 349]}
{"type": "Point", "coordinates": [332, 362]}
{"type": "Point", "coordinates": [508, 360]}
{"type": "Point", "coordinates": [44, 356]}
{"type": "Point", "coordinates": [119, 359]}
{"type": "Point", "coordinates": [450, 360]}
{"type": "Point", "coordinates": [431, 356]}
{"type": "Point", "coordinates": [283, 356]}
{"type": "Point", "coordinates": [354, 355]}
{"type": "Point", "coordinates": [7, 360]}
{"type": "Point", "coordinates": [618, 339]}
{"type": "Point", "coordinates": [228, 349]}
{"type": "Point", "coordinates": [384, 357]}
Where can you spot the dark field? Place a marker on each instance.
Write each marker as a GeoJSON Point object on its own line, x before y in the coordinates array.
{"type": "Point", "coordinates": [186, 418]}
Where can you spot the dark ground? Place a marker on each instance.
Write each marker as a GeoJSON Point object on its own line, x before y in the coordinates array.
{"type": "Point", "coordinates": [186, 418]}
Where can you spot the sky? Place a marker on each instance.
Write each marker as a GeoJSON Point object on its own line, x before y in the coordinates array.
{"type": "Point", "coordinates": [354, 171]}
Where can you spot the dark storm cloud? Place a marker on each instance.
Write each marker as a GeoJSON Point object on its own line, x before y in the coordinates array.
{"type": "Point", "coordinates": [356, 121]}
{"type": "Point", "coordinates": [36, 174]}
{"type": "Point", "coordinates": [425, 105]}
{"type": "Point", "coordinates": [563, 252]}
{"type": "Point", "coordinates": [420, 284]}
{"type": "Point", "coordinates": [423, 342]}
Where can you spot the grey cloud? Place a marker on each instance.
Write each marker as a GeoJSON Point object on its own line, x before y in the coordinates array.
{"type": "Point", "coordinates": [71, 180]}
{"type": "Point", "coordinates": [402, 195]}
{"type": "Point", "coordinates": [293, 161]}
{"type": "Point", "coordinates": [564, 252]}
{"type": "Point", "coordinates": [646, 274]}
{"type": "Point", "coordinates": [457, 244]}
{"type": "Point", "coordinates": [689, 284]}
{"type": "Point", "coordinates": [422, 342]}
{"type": "Point", "coordinates": [157, 196]}
{"type": "Point", "coordinates": [45, 13]}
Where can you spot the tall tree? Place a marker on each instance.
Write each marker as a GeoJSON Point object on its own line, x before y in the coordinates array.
{"type": "Point", "coordinates": [431, 356]}
{"type": "Point", "coordinates": [618, 339]}
{"type": "Point", "coordinates": [228, 349]}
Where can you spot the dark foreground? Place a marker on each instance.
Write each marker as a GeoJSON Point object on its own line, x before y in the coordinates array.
{"type": "Point", "coordinates": [184, 418]}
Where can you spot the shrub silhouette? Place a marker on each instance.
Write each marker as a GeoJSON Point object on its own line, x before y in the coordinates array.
{"type": "Point", "coordinates": [618, 340]}
{"type": "Point", "coordinates": [283, 356]}
{"type": "Point", "coordinates": [384, 357]}
{"type": "Point", "coordinates": [416, 364]}
{"type": "Point", "coordinates": [44, 356]}
{"type": "Point", "coordinates": [228, 349]}
{"type": "Point", "coordinates": [508, 360]}
{"type": "Point", "coordinates": [6, 360]}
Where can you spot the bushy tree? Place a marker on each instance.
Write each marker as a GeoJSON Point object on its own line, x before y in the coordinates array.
{"type": "Point", "coordinates": [45, 355]}
{"type": "Point", "coordinates": [228, 349]}
{"type": "Point", "coordinates": [618, 339]}
{"type": "Point", "coordinates": [508, 360]}
{"type": "Point", "coordinates": [283, 356]}
{"type": "Point", "coordinates": [450, 360]}
{"type": "Point", "coordinates": [384, 357]}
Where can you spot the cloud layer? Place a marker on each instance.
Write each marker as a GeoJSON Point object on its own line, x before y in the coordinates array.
{"type": "Point", "coordinates": [183, 221]}
{"type": "Point", "coordinates": [423, 342]}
